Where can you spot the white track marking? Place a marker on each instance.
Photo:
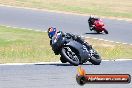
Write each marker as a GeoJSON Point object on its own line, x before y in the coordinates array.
{"type": "Point", "coordinates": [31, 63]}
{"type": "Point", "coordinates": [37, 30]}
{"type": "Point", "coordinates": [108, 40]}
{"type": "Point", "coordinates": [54, 62]}
{"type": "Point", "coordinates": [122, 59]}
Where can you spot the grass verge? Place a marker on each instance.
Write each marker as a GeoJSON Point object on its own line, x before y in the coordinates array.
{"type": "Point", "coordinates": [108, 8]}
{"type": "Point", "coordinates": [111, 51]}
{"type": "Point", "coordinates": [23, 46]}
{"type": "Point", "coordinates": [19, 45]}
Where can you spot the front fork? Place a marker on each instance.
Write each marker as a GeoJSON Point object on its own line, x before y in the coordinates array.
{"type": "Point", "coordinates": [90, 51]}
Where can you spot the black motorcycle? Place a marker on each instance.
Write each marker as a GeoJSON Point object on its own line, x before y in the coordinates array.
{"type": "Point", "coordinates": [74, 52]}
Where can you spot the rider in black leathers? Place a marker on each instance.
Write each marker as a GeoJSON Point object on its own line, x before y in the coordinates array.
{"type": "Point", "coordinates": [52, 31]}
{"type": "Point", "coordinates": [77, 38]}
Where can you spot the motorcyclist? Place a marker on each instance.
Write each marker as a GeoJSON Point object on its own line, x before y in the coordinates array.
{"type": "Point", "coordinates": [92, 20]}
{"type": "Point", "coordinates": [53, 31]}
{"type": "Point", "coordinates": [79, 39]}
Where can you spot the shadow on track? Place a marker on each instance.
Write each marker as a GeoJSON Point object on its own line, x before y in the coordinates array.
{"type": "Point", "coordinates": [62, 64]}
{"type": "Point", "coordinates": [93, 33]}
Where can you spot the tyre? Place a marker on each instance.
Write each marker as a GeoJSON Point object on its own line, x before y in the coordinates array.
{"type": "Point", "coordinates": [95, 58]}
{"type": "Point", "coordinates": [105, 31]}
{"type": "Point", "coordinates": [70, 56]}
{"type": "Point", "coordinates": [98, 32]}
{"type": "Point", "coordinates": [62, 60]}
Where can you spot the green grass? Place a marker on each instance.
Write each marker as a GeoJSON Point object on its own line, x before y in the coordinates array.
{"type": "Point", "coordinates": [108, 8]}
{"type": "Point", "coordinates": [111, 51]}
{"type": "Point", "coordinates": [22, 46]}
{"type": "Point", "coordinates": [18, 45]}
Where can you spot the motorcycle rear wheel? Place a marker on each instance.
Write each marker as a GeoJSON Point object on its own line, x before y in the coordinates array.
{"type": "Point", "coordinates": [98, 32]}
{"type": "Point", "coordinates": [95, 59]}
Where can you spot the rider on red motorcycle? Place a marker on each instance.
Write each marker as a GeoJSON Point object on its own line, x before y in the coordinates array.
{"type": "Point", "coordinates": [93, 21]}
{"type": "Point", "coordinates": [96, 24]}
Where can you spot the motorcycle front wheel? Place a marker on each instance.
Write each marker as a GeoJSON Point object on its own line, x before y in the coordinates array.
{"type": "Point", "coordinates": [70, 56]}
{"type": "Point", "coordinates": [105, 31]}
{"type": "Point", "coordinates": [62, 59]}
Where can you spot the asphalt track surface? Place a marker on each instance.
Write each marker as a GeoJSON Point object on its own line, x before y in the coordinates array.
{"type": "Point", "coordinates": [59, 75]}
{"type": "Point", "coordinates": [119, 31]}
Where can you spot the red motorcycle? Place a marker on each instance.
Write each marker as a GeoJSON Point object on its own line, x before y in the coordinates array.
{"type": "Point", "coordinates": [97, 25]}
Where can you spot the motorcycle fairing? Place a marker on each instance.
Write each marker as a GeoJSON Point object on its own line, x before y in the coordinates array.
{"type": "Point", "coordinates": [84, 54]}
